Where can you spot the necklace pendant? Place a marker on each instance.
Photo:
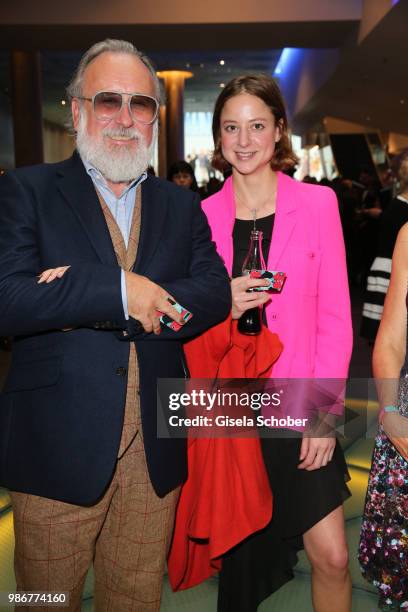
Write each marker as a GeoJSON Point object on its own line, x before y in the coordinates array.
{"type": "Point", "coordinates": [254, 211]}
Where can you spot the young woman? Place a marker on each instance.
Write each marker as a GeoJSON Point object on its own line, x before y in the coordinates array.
{"type": "Point", "coordinates": [383, 552]}
{"type": "Point", "coordinates": [303, 238]}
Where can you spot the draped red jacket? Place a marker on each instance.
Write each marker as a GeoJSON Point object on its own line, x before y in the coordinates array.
{"type": "Point", "coordinates": [227, 495]}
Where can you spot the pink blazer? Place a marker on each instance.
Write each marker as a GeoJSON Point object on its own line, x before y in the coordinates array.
{"type": "Point", "coordinates": [312, 313]}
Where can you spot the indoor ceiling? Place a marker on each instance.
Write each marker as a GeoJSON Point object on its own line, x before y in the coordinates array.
{"type": "Point", "coordinates": [244, 47]}
{"type": "Point", "coordinates": [368, 86]}
{"type": "Point", "coordinates": [211, 70]}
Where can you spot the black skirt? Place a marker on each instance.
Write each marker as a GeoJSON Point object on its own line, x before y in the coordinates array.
{"type": "Point", "coordinates": [264, 562]}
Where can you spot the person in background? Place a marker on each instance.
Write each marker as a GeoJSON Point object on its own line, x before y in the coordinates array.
{"type": "Point", "coordinates": [309, 179]}
{"type": "Point", "coordinates": [383, 549]}
{"type": "Point", "coordinates": [367, 221]}
{"type": "Point", "coordinates": [90, 480]}
{"type": "Point", "coordinates": [302, 238]}
{"type": "Point", "coordinates": [387, 191]}
{"type": "Point", "coordinates": [212, 187]}
{"type": "Point", "coordinates": [391, 221]}
{"type": "Point", "coordinates": [182, 174]}
{"type": "Point", "coordinates": [348, 198]}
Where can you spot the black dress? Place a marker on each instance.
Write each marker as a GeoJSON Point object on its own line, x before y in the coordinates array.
{"type": "Point", "coordinates": [264, 562]}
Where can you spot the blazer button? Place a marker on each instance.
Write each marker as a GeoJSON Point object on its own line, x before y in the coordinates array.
{"type": "Point", "coordinates": [121, 371]}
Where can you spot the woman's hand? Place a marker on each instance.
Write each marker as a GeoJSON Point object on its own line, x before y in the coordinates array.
{"type": "Point", "coordinates": [316, 452]}
{"type": "Point", "coordinates": [396, 428]}
{"type": "Point", "coordinates": [51, 274]}
{"type": "Point", "coordinates": [242, 300]}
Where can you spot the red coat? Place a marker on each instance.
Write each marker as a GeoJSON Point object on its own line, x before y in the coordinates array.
{"type": "Point", "coordinates": [227, 495]}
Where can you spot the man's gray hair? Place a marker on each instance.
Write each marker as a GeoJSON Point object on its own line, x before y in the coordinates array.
{"type": "Point", "coordinates": [110, 45]}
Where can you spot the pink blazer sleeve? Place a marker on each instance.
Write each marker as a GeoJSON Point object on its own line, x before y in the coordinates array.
{"type": "Point", "coordinates": [334, 337]}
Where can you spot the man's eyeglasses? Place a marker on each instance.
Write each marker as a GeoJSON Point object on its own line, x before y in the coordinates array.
{"type": "Point", "coordinates": [108, 104]}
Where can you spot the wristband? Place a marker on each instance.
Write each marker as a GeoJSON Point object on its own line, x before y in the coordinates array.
{"type": "Point", "coordinates": [385, 410]}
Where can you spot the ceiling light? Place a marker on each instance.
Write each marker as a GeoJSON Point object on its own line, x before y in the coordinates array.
{"type": "Point", "coordinates": [222, 62]}
{"type": "Point", "coordinates": [63, 102]}
{"type": "Point", "coordinates": [222, 85]}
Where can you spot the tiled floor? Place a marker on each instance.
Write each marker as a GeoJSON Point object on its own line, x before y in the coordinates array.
{"type": "Point", "coordinates": [294, 596]}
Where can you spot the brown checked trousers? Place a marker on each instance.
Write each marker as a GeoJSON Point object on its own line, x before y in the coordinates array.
{"type": "Point", "coordinates": [125, 535]}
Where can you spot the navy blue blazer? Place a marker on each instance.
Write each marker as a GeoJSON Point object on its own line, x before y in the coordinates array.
{"type": "Point", "coordinates": [62, 407]}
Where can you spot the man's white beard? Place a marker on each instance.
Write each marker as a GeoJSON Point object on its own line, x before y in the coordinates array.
{"type": "Point", "coordinates": [118, 164]}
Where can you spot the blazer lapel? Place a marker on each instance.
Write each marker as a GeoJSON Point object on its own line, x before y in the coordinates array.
{"type": "Point", "coordinates": [153, 222]}
{"type": "Point", "coordinates": [285, 221]}
{"type": "Point", "coordinates": [78, 190]}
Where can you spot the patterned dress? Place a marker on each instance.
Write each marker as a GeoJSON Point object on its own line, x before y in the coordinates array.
{"type": "Point", "coordinates": [383, 550]}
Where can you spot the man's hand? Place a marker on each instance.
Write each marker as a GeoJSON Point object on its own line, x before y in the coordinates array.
{"type": "Point", "coordinates": [243, 300]}
{"type": "Point", "coordinates": [396, 427]}
{"type": "Point", "coordinates": [145, 298]}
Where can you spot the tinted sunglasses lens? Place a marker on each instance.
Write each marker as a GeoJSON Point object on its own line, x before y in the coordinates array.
{"type": "Point", "coordinates": [107, 104]}
{"type": "Point", "coordinates": [143, 108]}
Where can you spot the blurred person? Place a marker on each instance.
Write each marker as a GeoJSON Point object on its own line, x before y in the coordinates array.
{"type": "Point", "coordinates": [325, 182]}
{"type": "Point", "coordinates": [213, 186]}
{"type": "Point", "coordinates": [192, 159]}
{"type": "Point", "coordinates": [202, 167]}
{"type": "Point", "coordinates": [309, 179]}
{"type": "Point", "coordinates": [388, 184]}
{"type": "Point", "coordinates": [383, 549]}
{"type": "Point", "coordinates": [90, 481]}
{"type": "Point", "coordinates": [181, 173]}
{"type": "Point", "coordinates": [348, 199]}
{"type": "Point", "coordinates": [303, 238]}
{"type": "Point", "coordinates": [391, 221]}
{"type": "Point", "coordinates": [368, 213]}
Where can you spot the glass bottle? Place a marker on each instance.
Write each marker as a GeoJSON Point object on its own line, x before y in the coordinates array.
{"type": "Point", "coordinates": [250, 322]}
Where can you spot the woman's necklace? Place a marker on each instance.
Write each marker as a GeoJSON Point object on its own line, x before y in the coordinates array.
{"type": "Point", "coordinates": [254, 210]}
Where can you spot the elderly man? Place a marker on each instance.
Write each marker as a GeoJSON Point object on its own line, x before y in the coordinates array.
{"type": "Point", "coordinates": [90, 479]}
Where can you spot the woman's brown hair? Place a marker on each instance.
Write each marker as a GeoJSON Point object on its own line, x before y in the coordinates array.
{"type": "Point", "coordinates": [264, 87]}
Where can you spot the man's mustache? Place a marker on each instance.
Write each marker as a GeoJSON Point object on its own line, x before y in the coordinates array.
{"type": "Point", "coordinates": [122, 133]}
